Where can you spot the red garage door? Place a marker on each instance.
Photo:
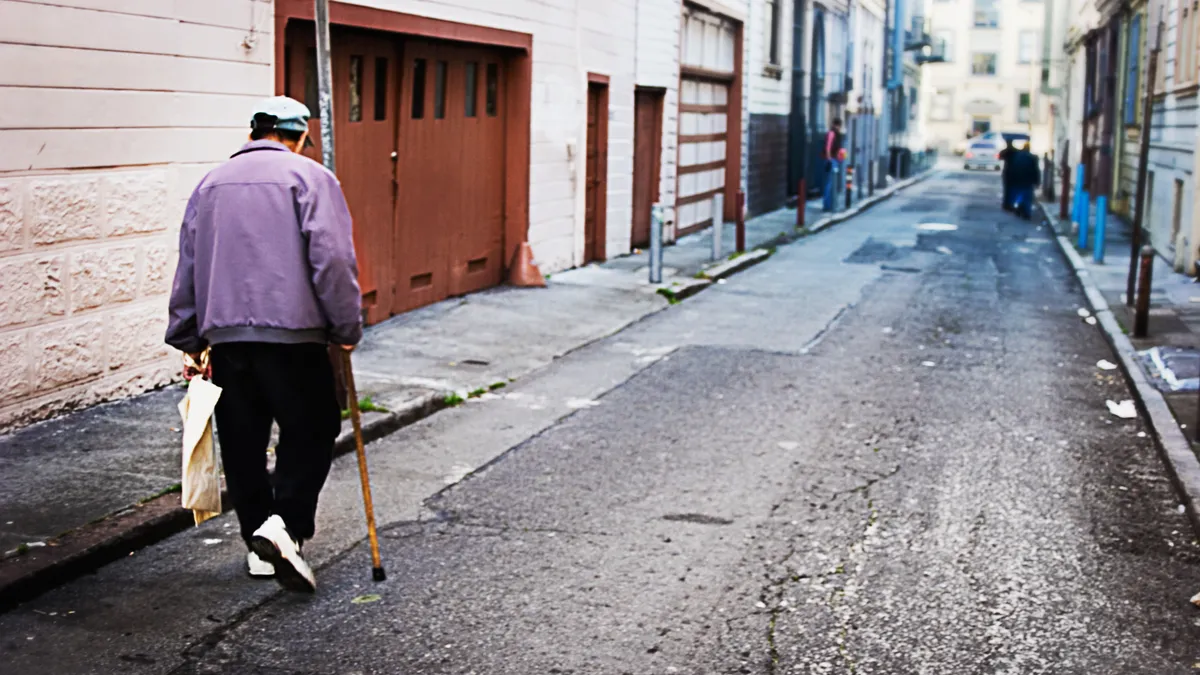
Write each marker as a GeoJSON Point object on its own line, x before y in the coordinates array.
{"type": "Point", "coordinates": [450, 175]}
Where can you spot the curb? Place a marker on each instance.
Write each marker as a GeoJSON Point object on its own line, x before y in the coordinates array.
{"type": "Point", "coordinates": [731, 267]}
{"type": "Point", "coordinates": [118, 535]}
{"type": "Point", "coordinates": [1176, 451]}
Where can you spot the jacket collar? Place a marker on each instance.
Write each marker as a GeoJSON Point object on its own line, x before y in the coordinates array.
{"type": "Point", "coordinates": [252, 146]}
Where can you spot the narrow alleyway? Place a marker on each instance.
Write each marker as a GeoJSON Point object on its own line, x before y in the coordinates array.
{"type": "Point", "coordinates": [884, 450]}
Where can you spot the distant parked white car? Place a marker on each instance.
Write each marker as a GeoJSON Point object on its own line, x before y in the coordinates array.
{"type": "Point", "coordinates": [983, 155]}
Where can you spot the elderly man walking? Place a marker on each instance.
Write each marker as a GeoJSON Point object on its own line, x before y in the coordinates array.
{"type": "Point", "coordinates": [267, 279]}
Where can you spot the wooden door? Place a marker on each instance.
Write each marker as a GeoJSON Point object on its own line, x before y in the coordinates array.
{"type": "Point", "coordinates": [597, 170]}
{"type": "Point", "coordinates": [364, 106]}
{"type": "Point", "coordinates": [450, 173]}
{"type": "Point", "coordinates": [647, 160]}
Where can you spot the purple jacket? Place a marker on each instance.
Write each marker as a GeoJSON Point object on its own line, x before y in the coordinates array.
{"type": "Point", "coordinates": [266, 255]}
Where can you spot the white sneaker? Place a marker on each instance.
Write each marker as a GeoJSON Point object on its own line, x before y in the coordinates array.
{"type": "Point", "coordinates": [259, 568]}
{"type": "Point", "coordinates": [274, 544]}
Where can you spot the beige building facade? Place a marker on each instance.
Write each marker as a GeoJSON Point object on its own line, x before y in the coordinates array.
{"type": "Point", "coordinates": [115, 109]}
{"type": "Point", "coordinates": [990, 80]}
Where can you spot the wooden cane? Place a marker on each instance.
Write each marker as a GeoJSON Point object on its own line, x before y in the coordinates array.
{"type": "Point", "coordinates": [377, 572]}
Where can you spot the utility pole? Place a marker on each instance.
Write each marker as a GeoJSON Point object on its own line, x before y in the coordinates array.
{"type": "Point", "coordinates": [325, 83]}
{"type": "Point", "coordinates": [1135, 243]}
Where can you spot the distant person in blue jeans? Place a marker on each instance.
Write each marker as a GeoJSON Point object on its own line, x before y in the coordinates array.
{"type": "Point", "coordinates": [833, 154]}
{"type": "Point", "coordinates": [1024, 177]}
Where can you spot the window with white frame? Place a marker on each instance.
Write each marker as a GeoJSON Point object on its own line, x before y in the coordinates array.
{"type": "Point", "coordinates": [941, 107]}
{"type": "Point", "coordinates": [1185, 42]}
{"type": "Point", "coordinates": [987, 14]}
{"type": "Point", "coordinates": [946, 36]}
{"type": "Point", "coordinates": [983, 63]}
{"type": "Point", "coordinates": [773, 21]}
{"type": "Point", "coordinates": [1027, 46]}
{"type": "Point", "coordinates": [1024, 106]}
{"type": "Point", "coordinates": [1133, 51]}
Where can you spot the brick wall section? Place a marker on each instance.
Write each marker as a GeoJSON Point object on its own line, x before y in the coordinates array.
{"type": "Point", "coordinates": [85, 267]}
{"type": "Point", "coordinates": [115, 112]}
{"type": "Point", "coordinates": [768, 163]}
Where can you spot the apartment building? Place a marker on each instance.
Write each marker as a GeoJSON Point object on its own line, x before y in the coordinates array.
{"type": "Point", "coordinates": [990, 79]}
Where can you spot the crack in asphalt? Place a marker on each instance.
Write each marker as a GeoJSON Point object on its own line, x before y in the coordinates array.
{"type": "Point", "coordinates": [773, 593]}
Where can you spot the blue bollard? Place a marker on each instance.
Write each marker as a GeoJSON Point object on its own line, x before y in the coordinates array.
{"type": "Point", "coordinates": [1101, 221]}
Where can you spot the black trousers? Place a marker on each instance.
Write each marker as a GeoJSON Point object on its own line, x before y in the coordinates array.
{"type": "Point", "coordinates": [293, 386]}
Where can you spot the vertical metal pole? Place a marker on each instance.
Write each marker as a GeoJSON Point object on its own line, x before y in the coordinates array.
{"type": "Point", "coordinates": [325, 83]}
{"type": "Point", "coordinates": [656, 246]}
{"type": "Point", "coordinates": [1135, 240]}
{"type": "Point", "coordinates": [1101, 223]}
{"type": "Point", "coordinates": [1064, 210]}
{"type": "Point", "coordinates": [741, 222]}
{"type": "Point", "coordinates": [849, 184]}
{"type": "Point", "coordinates": [718, 207]}
{"type": "Point", "coordinates": [1141, 314]}
{"type": "Point", "coordinates": [1079, 172]}
{"type": "Point", "coordinates": [801, 204]}
{"type": "Point", "coordinates": [1085, 218]}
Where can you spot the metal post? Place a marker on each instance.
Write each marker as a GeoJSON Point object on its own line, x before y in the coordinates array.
{"type": "Point", "coordinates": [801, 204]}
{"type": "Point", "coordinates": [1135, 241]}
{"type": "Point", "coordinates": [849, 184]}
{"type": "Point", "coordinates": [656, 246]}
{"type": "Point", "coordinates": [1085, 218]}
{"type": "Point", "coordinates": [1065, 197]}
{"type": "Point", "coordinates": [1141, 317]}
{"type": "Point", "coordinates": [741, 222]}
{"type": "Point", "coordinates": [1079, 171]}
{"type": "Point", "coordinates": [325, 84]}
{"type": "Point", "coordinates": [1101, 222]}
{"type": "Point", "coordinates": [718, 207]}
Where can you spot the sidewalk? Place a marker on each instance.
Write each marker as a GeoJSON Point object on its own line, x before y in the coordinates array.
{"type": "Point", "coordinates": [86, 488]}
{"type": "Point", "coordinates": [1174, 321]}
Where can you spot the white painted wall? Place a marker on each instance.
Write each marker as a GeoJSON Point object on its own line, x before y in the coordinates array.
{"type": "Point", "coordinates": [657, 65]}
{"type": "Point", "coordinates": [1172, 153]}
{"type": "Point", "coordinates": [770, 86]}
{"type": "Point", "coordinates": [112, 111]}
{"type": "Point", "coordinates": [162, 91]}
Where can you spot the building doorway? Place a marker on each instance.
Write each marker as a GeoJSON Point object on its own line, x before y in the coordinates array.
{"type": "Point", "coordinates": [594, 224]}
{"type": "Point", "coordinates": [647, 160]}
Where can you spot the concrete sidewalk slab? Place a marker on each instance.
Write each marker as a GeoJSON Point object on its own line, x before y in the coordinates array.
{"type": "Point", "coordinates": [99, 483]}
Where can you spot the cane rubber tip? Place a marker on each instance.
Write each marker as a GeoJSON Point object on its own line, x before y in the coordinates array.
{"type": "Point", "coordinates": [378, 574]}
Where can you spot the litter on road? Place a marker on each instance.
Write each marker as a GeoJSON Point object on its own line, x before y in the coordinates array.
{"type": "Point", "coordinates": [1105, 364]}
{"type": "Point", "coordinates": [1125, 409]}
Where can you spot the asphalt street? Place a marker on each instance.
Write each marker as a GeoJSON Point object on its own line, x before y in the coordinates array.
{"type": "Point", "coordinates": [885, 450]}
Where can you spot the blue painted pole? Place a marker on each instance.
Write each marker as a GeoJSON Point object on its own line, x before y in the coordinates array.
{"type": "Point", "coordinates": [1085, 205]}
{"type": "Point", "coordinates": [1101, 222]}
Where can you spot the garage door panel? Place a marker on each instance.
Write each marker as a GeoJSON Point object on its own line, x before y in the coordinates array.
{"type": "Point", "coordinates": [452, 192]}
{"type": "Point", "coordinates": [421, 242]}
{"type": "Point", "coordinates": [478, 262]}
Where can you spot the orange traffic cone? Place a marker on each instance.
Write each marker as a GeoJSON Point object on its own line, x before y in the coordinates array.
{"type": "Point", "coordinates": [522, 272]}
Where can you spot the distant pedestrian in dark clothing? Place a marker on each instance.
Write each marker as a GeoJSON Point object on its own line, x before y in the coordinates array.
{"type": "Point", "coordinates": [832, 153]}
{"type": "Point", "coordinates": [1005, 175]}
{"type": "Point", "coordinates": [1024, 176]}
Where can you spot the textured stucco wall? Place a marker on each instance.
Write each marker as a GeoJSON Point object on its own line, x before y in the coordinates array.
{"type": "Point", "coordinates": [112, 112]}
